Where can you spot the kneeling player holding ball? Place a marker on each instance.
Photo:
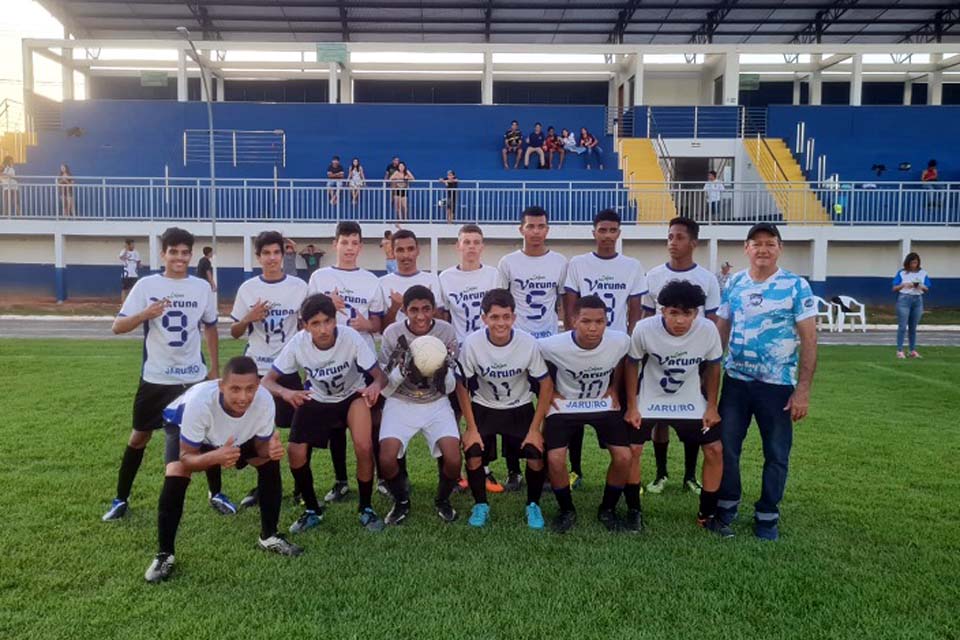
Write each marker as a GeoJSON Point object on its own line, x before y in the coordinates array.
{"type": "Point", "coordinates": [667, 355]}
{"type": "Point", "coordinates": [222, 423]}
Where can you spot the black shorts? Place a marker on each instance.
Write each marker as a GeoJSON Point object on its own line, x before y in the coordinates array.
{"type": "Point", "coordinates": [126, 283]}
{"type": "Point", "coordinates": [513, 422]}
{"type": "Point", "coordinates": [171, 452]}
{"type": "Point", "coordinates": [314, 421]}
{"type": "Point", "coordinates": [687, 430]}
{"type": "Point", "coordinates": [285, 410]}
{"type": "Point", "coordinates": [151, 400]}
{"type": "Point", "coordinates": [609, 425]}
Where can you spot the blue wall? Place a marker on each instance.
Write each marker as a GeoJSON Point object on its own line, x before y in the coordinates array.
{"type": "Point", "coordinates": [138, 137]}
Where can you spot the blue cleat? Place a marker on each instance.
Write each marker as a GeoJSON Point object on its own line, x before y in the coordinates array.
{"type": "Point", "coordinates": [766, 530]}
{"type": "Point", "coordinates": [308, 520]}
{"type": "Point", "coordinates": [370, 521]}
{"type": "Point", "coordinates": [222, 505]}
{"type": "Point", "coordinates": [727, 516]}
{"type": "Point", "coordinates": [118, 509]}
{"type": "Point", "coordinates": [535, 516]}
{"type": "Point", "coordinates": [479, 515]}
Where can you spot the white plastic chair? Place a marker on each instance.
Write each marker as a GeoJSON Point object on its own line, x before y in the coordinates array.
{"type": "Point", "coordinates": [858, 311]}
{"type": "Point", "coordinates": [825, 311]}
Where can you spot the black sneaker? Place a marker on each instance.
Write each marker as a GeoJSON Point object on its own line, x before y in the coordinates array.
{"type": "Point", "coordinates": [716, 525]}
{"type": "Point", "coordinates": [398, 513]}
{"type": "Point", "coordinates": [514, 482]}
{"type": "Point", "coordinates": [564, 521]}
{"type": "Point", "coordinates": [445, 510]}
{"type": "Point", "coordinates": [337, 493]}
{"type": "Point", "coordinates": [252, 499]}
{"type": "Point", "coordinates": [279, 545]}
{"type": "Point", "coordinates": [634, 521]}
{"type": "Point", "coordinates": [610, 519]}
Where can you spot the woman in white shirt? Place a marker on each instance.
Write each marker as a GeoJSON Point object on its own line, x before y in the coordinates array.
{"type": "Point", "coordinates": [910, 284]}
{"type": "Point", "coordinates": [569, 142]}
{"type": "Point", "coordinates": [11, 190]}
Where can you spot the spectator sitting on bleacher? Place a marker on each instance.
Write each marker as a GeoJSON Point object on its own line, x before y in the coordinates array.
{"type": "Point", "coordinates": [535, 145]}
{"type": "Point", "coordinates": [335, 176]}
{"type": "Point", "coordinates": [551, 146]}
{"type": "Point", "coordinates": [592, 146]}
{"type": "Point", "coordinates": [512, 144]}
{"type": "Point", "coordinates": [569, 142]}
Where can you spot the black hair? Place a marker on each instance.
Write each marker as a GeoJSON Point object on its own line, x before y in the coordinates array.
{"type": "Point", "coordinates": [693, 229]}
{"type": "Point", "coordinates": [128, 241]}
{"type": "Point", "coordinates": [403, 233]}
{"type": "Point", "coordinates": [174, 236]}
{"type": "Point", "coordinates": [913, 255]}
{"type": "Point", "coordinates": [681, 294]}
{"type": "Point", "coordinates": [606, 215]}
{"type": "Point", "coordinates": [418, 292]}
{"type": "Point", "coordinates": [470, 228]}
{"type": "Point", "coordinates": [712, 173]}
{"type": "Point", "coordinates": [589, 302]}
{"type": "Point", "coordinates": [537, 124]}
{"type": "Point", "coordinates": [498, 298]}
{"type": "Point", "coordinates": [317, 303]}
{"type": "Point", "coordinates": [266, 238]}
{"type": "Point", "coordinates": [534, 212]}
{"type": "Point", "coordinates": [241, 366]}
{"type": "Point", "coordinates": [337, 158]}
{"type": "Point", "coordinates": [514, 122]}
{"type": "Point", "coordinates": [207, 251]}
{"type": "Point", "coordinates": [932, 163]}
{"type": "Point", "coordinates": [388, 234]}
{"type": "Point", "coordinates": [348, 228]}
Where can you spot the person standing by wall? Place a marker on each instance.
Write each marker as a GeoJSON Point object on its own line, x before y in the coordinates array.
{"type": "Point", "coordinates": [290, 257]}
{"type": "Point", "coordinates": [929, 178]}
{"type": "Point", "coordinates": [11, 190]}
{"type": "Point", "coordinates": [130, 259]}
{"type": "Point", "coordinates": [311, 257]}
{"type": "Point", "coordinates": [65, 187]}
{"type": "Point", "coordinates": [205, 268]}
{"type": "Point", "coordinates": [713, 189]}
{"type": "Point", "coordinates": [910, 284]}
{"type": "Point", "coordinates": [724, 276]}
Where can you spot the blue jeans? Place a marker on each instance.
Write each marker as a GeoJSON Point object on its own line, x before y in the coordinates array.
{"type": "Point", "coordinates": [739, 402]}
{"type": "Point", "coordinates": [909, 310]}
{"type": "Point", "coordinates": [594, 151]}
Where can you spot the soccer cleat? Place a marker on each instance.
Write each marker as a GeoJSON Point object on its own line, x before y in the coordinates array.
{"type": "Point", "coordinates": [445, 510]}
{"type": "Point", "coordinates": [250, 500]}
{"type": "Point", "coordinates": [370, 521]}
{"type": "Point", "coordinates": [514, 482]}
{"type": "Point", "coordinates": [160, 569]}
{"type": "Point", "coordinates": [766, 530]}
{"type": "Point", "coordinates": [535, 516]}
{"type": "Point", "coordinates": [914, 354]}
{"type": "Point", "coordinates": [714, 525]}
{"type": "Point", "coordinates": [609, 519]}
{"type": "Point", "coordinates": [564, 521]}
{"type": "Point", "coordinates": [901, 356]}
{"type": "Point", "coordinates": [221, 504]}
{"type": "Point", "coordinates": [727, 516]}
{"type": "Point", "coordinates": [691, 485]}
{"type": "Point", "coordinates": [576, 480]}
{"type": "Point", "coordinates": [308, 520]}
{"type": "Point", "coordinates": [383, 489]}
{"type": "Point", "coordinates": [279, 545]}
{"type": "Point", "coordinates": [492, 485]}
{"type": "Point", "coordinates": [634, 521]}
{"type": "Point", "coordinates": [398, 513]}
{"type": "Point", "coordinates": [478, 515]}
{"type": "Point", "coordinates": [118, 509]}
{"type": "Point", "coordinates": [337, 493]}
{"type": "Point", "coordinates": [657, 485]}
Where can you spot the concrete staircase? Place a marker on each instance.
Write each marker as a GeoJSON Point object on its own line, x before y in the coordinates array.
{"type": "Point", "coordinates": [649, 189]}
{"type": "Point", "coordinates": [785, 181]}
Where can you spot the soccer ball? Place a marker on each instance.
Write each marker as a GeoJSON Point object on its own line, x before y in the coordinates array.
{"type": "Point", "coordinates": [429, 354]}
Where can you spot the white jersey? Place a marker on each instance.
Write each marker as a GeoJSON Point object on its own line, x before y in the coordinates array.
{"type": "Point", "coordinates": [462, 293]}
{"type": "Point", "coordinates": [398, 283]}
{"type": "Point", "coordinates": [670, 367]}
{"type": "Point", "coordinates": [267, 337]}
{"type": "Point", "coordinates": [661, 274]}
{"type": "Point", "coordinates": [584, 374]}
{"type": "Point", "coordinates": [360, 290]}
{"type": "Point", "coordinates": [171, 341]}
{"type": "Point", "coordinates": [202, 419]}
{"type": "Point", "coordinates": [333, 374]}
{"type": "Point", "coordinates": [499, 376]}
{"type": "Point", "coordinates": [130, 260]}
{"type": "Point", "coordinates": [615, 280]}
{"type": "Point", "coordinates": [535, 282]}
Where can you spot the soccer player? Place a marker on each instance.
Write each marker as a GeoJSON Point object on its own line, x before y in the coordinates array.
{"type": "Point", "coordinates": [617, 280]}
{"type": "Point", "coordinates": [221, 423]}
{"type": "Point", "coordinates": [265, 310]}
{"type": "Point", "coordinates": [170, 307]}
{"type": "Point", "coordinates": [496, 365]}
{"type": "Point", "coordinates": [682, 236]}
{"type": "Point", "coordinates": [586, 366]}
{"type": "Point", "coordinates": [336, 396]}
{"type": "Point", "coordinates": [667, 354]}
{"type": "Point", "coordinates": [356, 294]}
{"type": "Point", "coordinates": [406, 250]}
{"type": "Point", "coordinates": [768, 314]}
{"type": "Point", "coordinates": [417, 404]}
{"type": "Point", "coordinates": [462, 287]}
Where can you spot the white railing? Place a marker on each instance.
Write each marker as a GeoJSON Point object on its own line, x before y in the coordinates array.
{"type": "Point", "coordinates": [490, 202]}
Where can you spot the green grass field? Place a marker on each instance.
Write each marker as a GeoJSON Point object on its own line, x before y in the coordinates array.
{"type": "Point", "coordinates": [870, 545]}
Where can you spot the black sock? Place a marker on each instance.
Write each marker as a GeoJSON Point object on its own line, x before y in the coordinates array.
{"type": "Point", "coordinates": [402, 462]}
{"type": "Point", "coordinates": [129, 465]}
{"type": "Point", "coordinates": [365, 488]}
{"type": "Point", "coordinates": [398, 488]}
{"type": "Point", "coordinates": [564, 498]}
{"type": "Point", "coordinates": [611, 496]}
{"type": "Point", "coordinates": [534, 485]}
{"type": "Point", "coordinates": [304, 477]}
{"type": "Point", "coordinates": [690, 452]}
{"type": "Point", "coordinates": [660, 453]}
{"type": "Point", "coordinates": [445, 487]}
{"type": "Point", "coordinates": [512, 457]}
{"type": "Point", "coordinates": [214, 480]}
{"type": "Point", "coordinates": [338, 454]}
{"type": "Point", "coordinates": [576, 451]}
{"type": "Point", "coordinates": [169, 511]}
{"type": "Point", "coordinates": [478, 484]}
{"type": "Point", "coordinates": [708, 503]}
{"type": "Point", "coordinates": [270, 490]}
{"type": "Point", "coordinates": [631, 493]}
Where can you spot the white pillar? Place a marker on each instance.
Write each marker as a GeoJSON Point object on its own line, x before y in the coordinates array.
{"type": "Point", "coordinates": [796, 90]}
{"type": "Point", "coordinates": [27, 68]}
{"type": "Point", "coordinates": [714, 260]}
{"type": "Point", "coordinates": [332, 83]}
{"type": "Point", "coordinates": [60, 268]}
{"type": "Point", "coordinates": [816, 80]}
{"type": "Point", "coordinates": [935, 86]}
{"type": "Point", "coordinates": [486, 86]}
{"type": "Point", "coordinates": [731, 79]}
{"type": "Point", "coordinates": [905, 247]}
{"type": "Point", "coordinates": [66, 70]}
{"type": "Point", "coordinates": [638, 80]}
{"type": "Point", "coordinates": [153, 257]}
{"type": "Point", "coordinates": [204, 94]}
{"type": "Point", "coordinates": [856, 80]}
{"type": "Point", "coordinates": [908, 90]}
{"type": "Point", "coordinates": [221, 88]}
{"type": "Point", "coordinates": [182, 94]}
{"type": "Point", "coordinates": [818, 259]}
{"type": "Point", "coordinates": [612, 91]}
{"type": "Point", "coordinates": [247, 256]}
{"type": "Point", "coordinates": [434, 253]}
{"type": "Point", "coordinates": [346, 86]}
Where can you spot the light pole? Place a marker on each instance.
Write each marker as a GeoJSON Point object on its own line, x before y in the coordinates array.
{"type": "Point", "coordinates": [205, 79]}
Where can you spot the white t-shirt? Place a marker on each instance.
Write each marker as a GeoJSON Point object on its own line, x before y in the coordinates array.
{"type": "Point", "coordinates": [333, 374]}
{"type": "Point", "coordinates": [661, 274]}
{"type": "Point", "coordinates": [918, 277]}
{"type": "Point", "coordinates": [171, 342]}
{"type": "Point", "coordinates": [498, 376]}
{"type": "Point", "coordinates": [462, 293]}
{"type": "Point", "coordinates": [130, 261]}
{"type": "Point", "coordinates": [202, 419]}
{"type": "Point", "coordinates": [670, 367]}
{"type": "Point", "coordinates": [614, 279]}
{"type": "Point", "coordinates": [360, 290]}
{"type": "Point", "coordinates": [713, 190]}
{"type": "Point", "coordinates": [583, 374]}
{"type": "Point", "coordinates": [267, 338]}
{"type": "Point", "coordinates": [535, 282]}
{"type": "Point", "coordinates": [396, 282]}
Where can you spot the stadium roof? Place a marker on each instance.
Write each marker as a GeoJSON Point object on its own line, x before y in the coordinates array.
{"type": "Point", "coordinates": [521, 21]}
